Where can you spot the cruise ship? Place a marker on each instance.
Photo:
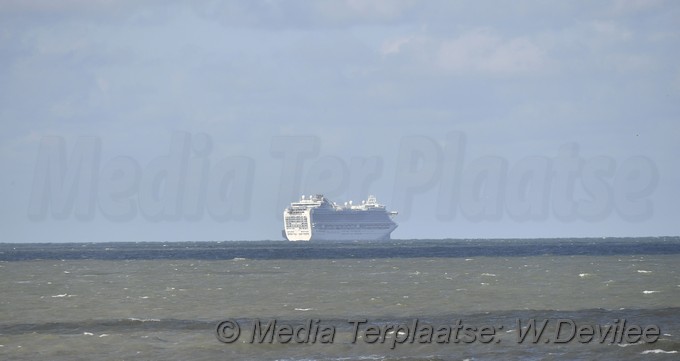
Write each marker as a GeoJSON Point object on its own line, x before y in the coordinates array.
{"type": "Point", "coordinates": [315, 218]}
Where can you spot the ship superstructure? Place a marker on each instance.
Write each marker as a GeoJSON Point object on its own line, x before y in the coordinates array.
{"type": "Point", "coordinates": [315, 218]}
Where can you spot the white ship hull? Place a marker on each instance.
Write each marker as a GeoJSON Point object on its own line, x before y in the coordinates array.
{"type": "Point", "coordinates": [341, 235]}
{"type": "Point", "coordinates": [316, 219]}
{"type": "Point", "coordinates": [352, 235]}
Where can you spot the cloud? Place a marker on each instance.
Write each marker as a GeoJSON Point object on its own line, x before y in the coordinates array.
{"type": "Point", "coordinates": [635, 6]}
{"type": "Point", "coordinates": [484, 52]}
{"type": "Point", "coordinates": [377, 10]}
{"type": "Point", "coordinates": [610, 31]}
{"type": "Point", "coordinates": [394, 46]}
{"type": "Point", "coordinates": [48, 6]}
{"type": "Point", "coordinates": [301, 14]}
{"type": "Point", "coordinates": [479, 51]}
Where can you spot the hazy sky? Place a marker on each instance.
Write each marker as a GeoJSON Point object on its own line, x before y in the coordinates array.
{"type": "Point", "coordinates": [162, 121]}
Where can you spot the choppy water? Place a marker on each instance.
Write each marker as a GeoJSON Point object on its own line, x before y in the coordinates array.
{"type": "Point", "coordinates": [157, 301]}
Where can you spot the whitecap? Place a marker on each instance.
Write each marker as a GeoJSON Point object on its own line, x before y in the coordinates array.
{"type": "Point", "coordinates": [584, 275]}
{"type": "Point", "coordinates": [488, 274]}
{"type": "Point", "coordinates": [657, 351]}
{"type": "Point", "coordinates": [144, 319]}
{"type": "Point", "coordinates": [239, 259]}
{"type": "Point", "coordinates": [103, 335]}
{"type": "Point", "coordinates": [649, 292]}
{"type": "Point", "coordinates": [643, 271]}
{"type": "Point", "coordinates": [63, 295]}
{"type": "Point", "coordinates": [88, 333]}
{"type": "Point", "coordinates": [303, 309]}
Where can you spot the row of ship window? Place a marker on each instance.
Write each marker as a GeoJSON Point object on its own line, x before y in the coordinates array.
{"type": "Point", "coordinates": [353, 225]}
{"type": "Point", "coordinates": [296, 222]}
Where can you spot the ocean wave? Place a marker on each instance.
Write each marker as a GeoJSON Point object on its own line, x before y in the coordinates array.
{"type": "Point", "coordinates": [423, 248]}
{"type": "Point", "coordinates": [506, 317]}
{"type": "Point", "coordinates": [657, 351]}
{"type": "Point", "coordinates": [107, 326]}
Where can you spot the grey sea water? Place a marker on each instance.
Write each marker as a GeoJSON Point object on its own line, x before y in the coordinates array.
{"type": "Point", "coordinates": [155, 301]}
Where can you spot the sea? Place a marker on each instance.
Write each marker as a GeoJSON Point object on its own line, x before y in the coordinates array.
{"type": "Point", "coordinates": [453, 299]}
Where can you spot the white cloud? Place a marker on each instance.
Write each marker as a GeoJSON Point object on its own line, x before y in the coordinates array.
{"type": "Point", "coordinates": [610, 31]}
{"type": "Point", "coordinates": [483, 51]}
{"type": "Point", "coordinates": [518, 55]}
{"type": "Point", "coordinates": [302, 14]}
{"type": "Point", "coordinates": [378, 8]}
{"type": "Point", "coordinates": [394, 46]}
{"type": "Point", "coordinates": [635, 6]}
{"type": "Point", "coordinates": [102, 10]}
{"type": "Point", "coordinates": [479, 51]}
